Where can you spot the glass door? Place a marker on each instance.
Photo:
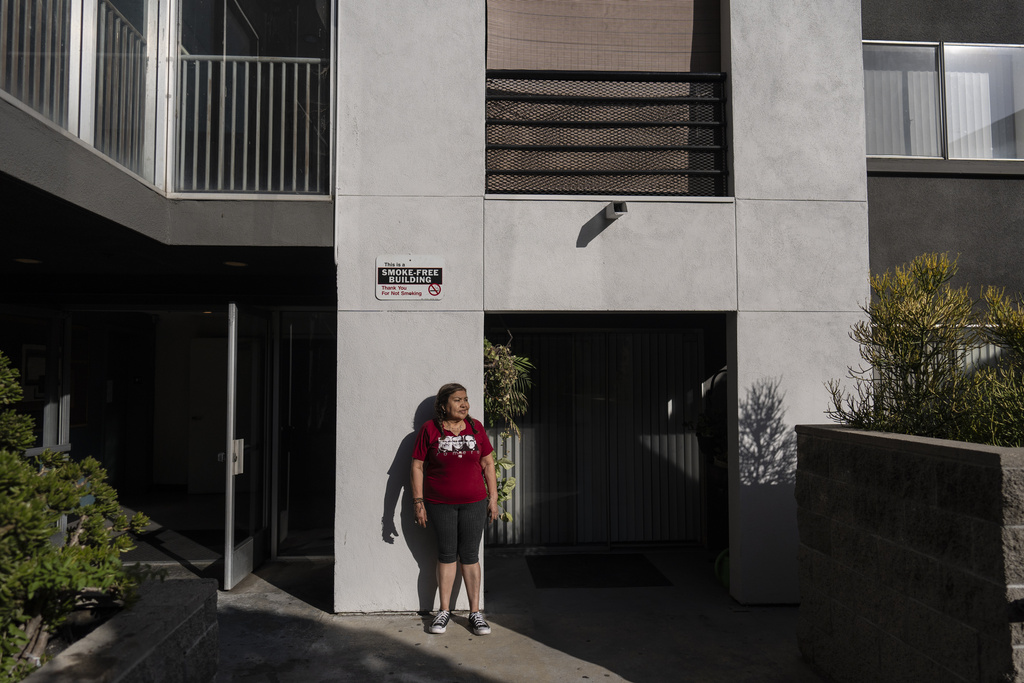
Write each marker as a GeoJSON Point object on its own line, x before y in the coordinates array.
{"type": "Point", "coordinates": [247, 447]}
{"type": "Point", "coordinates": [305, 465]}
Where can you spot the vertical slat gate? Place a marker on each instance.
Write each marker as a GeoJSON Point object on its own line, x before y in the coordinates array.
{"type": "Point", "coordinates": [591, 415]}
{"type": "Point", "coordinates": [607, 454]}
{"type": "Point", "coordinates": [655, 491]}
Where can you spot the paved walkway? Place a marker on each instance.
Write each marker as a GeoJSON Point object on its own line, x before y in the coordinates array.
{"type": "Point", "coordinates": [276, 627]}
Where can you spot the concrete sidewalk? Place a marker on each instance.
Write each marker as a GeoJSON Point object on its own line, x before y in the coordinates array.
{"type": "Point", "coordinates": [276, 626]}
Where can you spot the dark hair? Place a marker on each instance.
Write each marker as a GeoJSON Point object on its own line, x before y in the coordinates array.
{"type": "Point", "coordinates": [441, 405]}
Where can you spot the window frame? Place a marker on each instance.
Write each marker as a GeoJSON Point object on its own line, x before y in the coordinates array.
{"type": "Point", "coordinates": [941, 91]}
{"type": "Point", "coordinates": [900, 163]}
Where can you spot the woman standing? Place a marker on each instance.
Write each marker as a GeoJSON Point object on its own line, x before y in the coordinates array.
{"type": "Point", "coordinates": [453, 485]}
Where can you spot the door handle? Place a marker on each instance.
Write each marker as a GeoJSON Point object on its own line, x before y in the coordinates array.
{"type": "Point", "coordinates": [238, 456]}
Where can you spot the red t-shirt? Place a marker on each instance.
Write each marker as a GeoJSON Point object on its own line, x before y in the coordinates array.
{"type": "Point", "coordinates": [451, 464]}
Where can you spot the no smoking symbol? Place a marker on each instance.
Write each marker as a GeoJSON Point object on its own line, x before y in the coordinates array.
{"type": "Point", "coordinates": [434, 289]}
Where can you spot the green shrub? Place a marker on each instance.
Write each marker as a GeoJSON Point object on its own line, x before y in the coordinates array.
{"type": "Point", "coordinates": [42, 580]}
{"type": "Point", "coordinates": [917, 344]}
{"type": "Point", "coordinates": [506, 380]}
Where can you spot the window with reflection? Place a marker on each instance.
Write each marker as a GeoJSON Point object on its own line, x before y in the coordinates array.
{"type": "Point", "coordinates": [901, 94]}
{"type": "Point", "coordinates": [967, 105]}
{"type": "Point", "coordinates": [984, 101]}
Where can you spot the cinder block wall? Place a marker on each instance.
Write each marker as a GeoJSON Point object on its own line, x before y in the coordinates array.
{"type": "Point", "coordinates": [170, 635]}
{"type": "Point", "coordinates": [910, 549]}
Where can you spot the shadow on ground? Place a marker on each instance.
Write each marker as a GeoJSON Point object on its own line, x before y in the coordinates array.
{"type": "Point", "coordinates": [689, 631]}
{"type": "Point", "coordinates": [275, 626]}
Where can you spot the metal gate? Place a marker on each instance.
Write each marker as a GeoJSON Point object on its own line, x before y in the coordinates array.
{"type": "Point", "coordinates": [606, 455]}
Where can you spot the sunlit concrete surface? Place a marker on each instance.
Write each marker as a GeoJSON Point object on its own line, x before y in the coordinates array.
{"type": "Point", "coordinates": [273, 627]}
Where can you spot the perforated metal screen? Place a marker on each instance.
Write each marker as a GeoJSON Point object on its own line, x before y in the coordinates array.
{"type": "Point", "coordinates": [606, 133]}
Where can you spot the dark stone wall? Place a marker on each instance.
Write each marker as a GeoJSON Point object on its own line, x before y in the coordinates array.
{"type": "Point", "coordinates": [979, 219]}
{"type": "Point", "coordinates": [908, 548]}
{"type": "Point", "coordinates": [170, 634]}
{"type": "Point", "coordinates": [962, 21]}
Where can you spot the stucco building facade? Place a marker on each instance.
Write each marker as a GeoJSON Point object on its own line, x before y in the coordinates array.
{"type": "Point", "coordinates": [279, 160]}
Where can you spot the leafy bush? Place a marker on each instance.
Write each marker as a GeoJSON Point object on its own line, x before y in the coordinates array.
{"type": "Point", "coordinates": [919, 345]}
{"type": "Point", "coordinates": [41, 580]}
{"type": "Point", "coordinates": [506, 379]}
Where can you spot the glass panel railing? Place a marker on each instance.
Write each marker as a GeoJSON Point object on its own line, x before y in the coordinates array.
{"type": "Point", "coordinates": [120, 103]}
{"type": "Point", "coordinates": [34, 38]}
{"type": "Point", "coordinates": [87, 68]}
{"type": "Point", "coordinates": [248, 110]}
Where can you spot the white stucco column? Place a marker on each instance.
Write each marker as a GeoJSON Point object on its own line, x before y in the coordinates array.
{"type": "Point", "coordinates": [390, 365]}
{"type": "Point", "coordinates": [798, 167]}
{"type": "Point", "coordinates": [410, 177]}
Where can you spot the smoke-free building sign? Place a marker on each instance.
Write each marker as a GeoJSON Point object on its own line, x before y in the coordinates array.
{"type": "Point", "coordinates": [410, 277]}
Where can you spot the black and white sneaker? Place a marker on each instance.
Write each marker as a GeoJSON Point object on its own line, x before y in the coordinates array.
{"type": "Point", "coordinates": [440, 622]}
{"type": "Point", "coordinates": [477, 624]}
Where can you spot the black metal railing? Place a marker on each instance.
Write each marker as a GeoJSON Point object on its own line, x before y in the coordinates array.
{"type": "Point", "coordinates": [624, 133]}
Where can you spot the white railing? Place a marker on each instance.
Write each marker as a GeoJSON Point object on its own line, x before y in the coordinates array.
{"type": "Point", "coordinates": [120, 89]}
{"type": "Point", "coordinates": [243, 125]}
{"type": "Point", "coordinates": [34, 37]}
{"type": "Point", "coordinates": [252, 124]}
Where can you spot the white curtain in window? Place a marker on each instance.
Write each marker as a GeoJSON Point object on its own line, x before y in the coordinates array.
{"type": "Point", "coordinates": [969, 115]}
{"type": "Point", "coordinates": [883, 97]}
{"type": "Point", "coordinates": [984, 101]}
{"type": "Point", "coordinates": [902, 113]}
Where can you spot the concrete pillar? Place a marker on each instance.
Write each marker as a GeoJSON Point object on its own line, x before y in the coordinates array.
{"type": "Point", "coordinates": [390, 366]}
{"type": "Point", "coordinates": [410, 176]}
{"type": "Point", "coordinates": [798, 167]}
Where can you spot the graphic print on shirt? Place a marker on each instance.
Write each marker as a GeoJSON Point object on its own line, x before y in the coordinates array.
{"type": "Point", "coordinates": [456, 444]}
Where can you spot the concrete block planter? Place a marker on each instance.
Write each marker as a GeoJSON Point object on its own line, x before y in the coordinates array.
{"type": "Point", "coordinates": [170, 635]}
{"type": "Point", "coordinates": [911, 557]}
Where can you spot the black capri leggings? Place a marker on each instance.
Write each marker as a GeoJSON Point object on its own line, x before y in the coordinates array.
{"type": "Point", "coordinates": [459, 529]}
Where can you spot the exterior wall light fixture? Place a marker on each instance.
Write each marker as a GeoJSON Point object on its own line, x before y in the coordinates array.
{"type": "Point", "coordinates": [615, 210]}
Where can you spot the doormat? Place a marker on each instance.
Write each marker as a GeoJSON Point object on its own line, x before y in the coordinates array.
{"type": "Point", "coordinates": [631, 570]}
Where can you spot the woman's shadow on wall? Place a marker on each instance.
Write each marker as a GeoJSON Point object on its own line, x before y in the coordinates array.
{"type": "Point", "coordinates": [398, 504]}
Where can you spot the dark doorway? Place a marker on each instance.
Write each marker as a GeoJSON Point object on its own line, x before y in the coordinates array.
{"type": "Point", "coordinates": [608, 454]}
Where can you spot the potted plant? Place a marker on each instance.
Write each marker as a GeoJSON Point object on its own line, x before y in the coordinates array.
{"type": "Point", "coordinates": [506, 380]}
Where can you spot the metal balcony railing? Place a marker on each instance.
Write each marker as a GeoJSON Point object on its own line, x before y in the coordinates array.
{"type": "Point", "coordinates": [34, 55]}
{"type": "Point", "coordinates": [243, 124]}
{"type": "Point", "coordinates": [120, 122]}
{"type": "Point", "coordinates": [559, 132]}
{"type": "Point", "coordinates": [252, 124]}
